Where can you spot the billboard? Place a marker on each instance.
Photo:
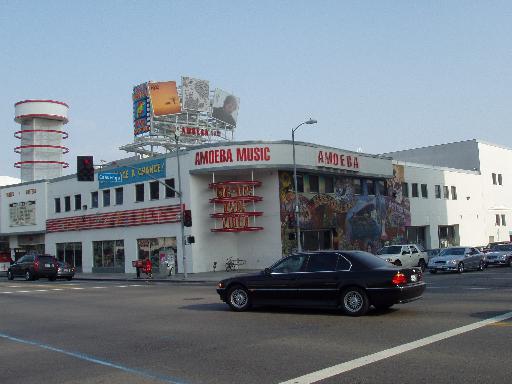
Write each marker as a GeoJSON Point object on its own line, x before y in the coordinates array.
{"type": "Point", "coordinates": [225, 107]}
{"type": "Point", "coordinates": [195, 94]}
{"type": "Point", "coordinates": [22, 213]}
{"type": "Point", "coordinates": [164, 98]}
{"type": "Point", "coordinates": [141, 110]}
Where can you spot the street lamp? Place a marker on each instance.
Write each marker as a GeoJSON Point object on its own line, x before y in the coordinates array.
{"type": "Point", "coordinates": [297, 211]}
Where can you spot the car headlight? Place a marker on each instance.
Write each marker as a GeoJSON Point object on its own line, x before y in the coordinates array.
{"type": "Point", "coordinates": [503, 257]}
{"type": "Point", "coordinates": [389, 260]}
{"type": "Point", "coordinates": [453, 261]}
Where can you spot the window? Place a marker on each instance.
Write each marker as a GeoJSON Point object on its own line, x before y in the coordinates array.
{"type": "Point", "coordinates": [500, 180]}
{"type": "Point", "coordinates": [106, 198]}
{"type": "Point", "coordinates": [57, 204]}
{"type": "Point", "coordinates": [300, 183]}
{"type": "Point", "coordinates": [108, 254]}
{"type": "Point", "coordinates": [139, 192]}
{"type": "Point", "coordinates": [291, 264]}
{"type": "Point", "coordinates": [328, 184]}
{"type": "Point", "coordinates": [382, 187]}
{"type": "Point", "coordinates": [322, 262]}
{"type": "Point", "coordinates": [438, 191]}
{"type": "Point", "coordinates": [119, 196]}
{"type": "Point", "coordinates": [497, 219]}
{"type": "Point", "coordinates": [94, 199]}
{"type": "Point", "coordinates": [405, 189]}
{"type": "Point", "coordinates": [67, 203]}
{"type": "Point", "coordinates": [313, 183]}
{"type": "Point", "coordinates": [343, 264]}
{"type": "Point", "coordinates": [503, 222]}
{"type": "Point", "coordinates": [168, 191]}
{"type": "Point", "coordinates": [154, 190]}
{"type": "Point", "coordinates": [415, 190]}
{"type": "Point", "coordinates": [357, 186]}
{"type": "Point", "coordinates": [446, 193]}
{"type": "Point", "coordinates": [454, 192]}
{"type": "Point", "coordinates": [424, 191]}
{"type": "Point", "coordinates": [494, 178]}
{"type": "Point", "coordinates": [370, 185]}
{"type": "Point", "coordinates": [78, 202]}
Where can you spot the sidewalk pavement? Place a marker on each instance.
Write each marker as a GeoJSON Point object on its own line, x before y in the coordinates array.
{"type": "Point", "coordinates": [202, 277]}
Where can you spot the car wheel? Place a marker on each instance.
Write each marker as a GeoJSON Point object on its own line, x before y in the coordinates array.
{"type": "Point", "coordinates": [382, 307]}
{"type": "Point", "coordinates": [29, 276]}
{"type": "Point", "coordinates": [460, 267]}
{"type": "Point", "coordinates": [422, 265]}
{"type": "Point", "coordinates": [354, 301]}
{"type": "Point", "coordinates": [509, 262]}
{"type": "Point", "coordinates": [239, 299]}
{"type": "Point", "coordinates": [481, 266]}
{"type": "Point", "coordinates": [10, 276]}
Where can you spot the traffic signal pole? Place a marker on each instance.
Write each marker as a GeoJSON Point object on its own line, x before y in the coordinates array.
{"type": "Point", "coordinates": [182, 224]}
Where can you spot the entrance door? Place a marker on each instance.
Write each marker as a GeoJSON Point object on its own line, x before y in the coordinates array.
{"type": "Point", "coordinates": [316, 240]}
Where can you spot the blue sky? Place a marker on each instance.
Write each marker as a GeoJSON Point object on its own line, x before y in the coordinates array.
{"type": "Point", "coordinates": [377, 75]}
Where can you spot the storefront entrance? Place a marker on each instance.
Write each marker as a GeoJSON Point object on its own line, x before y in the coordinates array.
{"type": "Point", "coordinates": [70, 253]}
{"type": "Point", "coordinates": [316, 240]}
{"type": "Point", "coordinates": [448, 236]}
{"type": "Point", "coordinates": [160, 250]}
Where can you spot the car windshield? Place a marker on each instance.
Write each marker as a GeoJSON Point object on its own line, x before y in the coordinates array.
{"type": "Point", "coordinates": [502, 248]}
{"type": "Point", "coordinates": [46, 259]}
{"type": "Point", "coordinates": [452, 251]}
{"type": "Point", "coordinates": [391, 250]}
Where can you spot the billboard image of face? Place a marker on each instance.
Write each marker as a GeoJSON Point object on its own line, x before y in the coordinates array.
{"type": "Point", "coordinates": [195, 93]}
{"type": "Point", "coordinates": [164, 98]}
{"type": "Point", "coordinates": [225, 107]}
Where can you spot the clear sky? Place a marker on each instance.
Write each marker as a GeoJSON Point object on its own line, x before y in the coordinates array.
{"type": "Point", "coordinates": [377, 75]}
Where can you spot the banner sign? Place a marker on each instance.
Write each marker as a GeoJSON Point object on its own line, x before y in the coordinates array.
{"type": "Point", "coordinates": [137, 173]}
{"type": "Point", "coordinates": [23, 213]}
{"type": "Point", "coordinates": [141, 110]}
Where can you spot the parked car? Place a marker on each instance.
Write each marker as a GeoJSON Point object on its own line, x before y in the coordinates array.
{"type": "Point", "coordinates": [350, 280]}
{"type": "Point", "coordinates": [65, 271]}
{"type": "Point", "coordinates": [407, 255]}
{"type": "Point", "coordinates": [433, 252]}
{"type": "Point", "coordinates": [499, 254]}
{"type": "Point", "coordinates": [33, 267]}
{"type": "Point", "coordinates": [457, 259]}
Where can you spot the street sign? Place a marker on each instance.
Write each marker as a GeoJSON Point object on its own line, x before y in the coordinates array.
{"type": "Point", "coordinates": [110, 177]}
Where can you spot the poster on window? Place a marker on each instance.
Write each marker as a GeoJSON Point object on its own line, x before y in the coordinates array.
{"type": "Point", "coordinates": [22, 213]}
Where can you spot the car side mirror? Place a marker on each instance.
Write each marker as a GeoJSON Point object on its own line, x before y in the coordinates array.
{"type": "Point", "coordinates": [267, 271]}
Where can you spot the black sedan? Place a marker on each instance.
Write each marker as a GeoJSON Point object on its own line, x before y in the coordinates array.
{"type": "Point", "coordinates": [350, 280]}
{"type": "Point", "coordinates": [65, 271]}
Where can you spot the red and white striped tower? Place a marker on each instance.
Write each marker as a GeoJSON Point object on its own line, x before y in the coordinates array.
{"type": "Point", "coordinates": [41, 137]}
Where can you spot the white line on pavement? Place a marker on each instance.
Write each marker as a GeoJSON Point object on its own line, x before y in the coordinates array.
{"type": "Point", "coordinates": [365, 360]}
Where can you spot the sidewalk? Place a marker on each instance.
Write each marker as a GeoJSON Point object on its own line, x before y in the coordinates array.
{"type": "Point", "coordinates": [202, 277]}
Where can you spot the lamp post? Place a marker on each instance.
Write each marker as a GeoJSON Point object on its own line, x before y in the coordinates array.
{"type": "Point", "coordinates": [177, 133]}
{"type": "Point", "coordinates": [297, 210]}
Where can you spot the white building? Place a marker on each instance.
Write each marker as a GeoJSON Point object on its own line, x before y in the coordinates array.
{"type": "Point", "coordinates": [242, 203]}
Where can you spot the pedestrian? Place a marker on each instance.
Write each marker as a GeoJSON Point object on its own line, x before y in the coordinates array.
{"type": "Point", "coordinates": [148, 268]}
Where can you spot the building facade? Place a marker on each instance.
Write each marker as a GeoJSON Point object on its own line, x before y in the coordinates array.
{"type": "Point", "coordinates": [241, 196]}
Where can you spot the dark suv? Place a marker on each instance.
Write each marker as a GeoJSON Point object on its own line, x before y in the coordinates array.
{"type": "Point", "coordinates": [33, 267]}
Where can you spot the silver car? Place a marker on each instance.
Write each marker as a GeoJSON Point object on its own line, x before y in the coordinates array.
{"type": "Point", "coordinates": [457, 259]}
{"type": "Point", "coordinates": [500, 254]}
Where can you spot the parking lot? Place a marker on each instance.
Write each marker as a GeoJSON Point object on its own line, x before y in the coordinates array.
{"type": "Point", "coordinates": [112, 332]}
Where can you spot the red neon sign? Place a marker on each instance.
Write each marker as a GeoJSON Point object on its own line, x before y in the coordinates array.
{"type": "Point", "coordinates": [233, 197]}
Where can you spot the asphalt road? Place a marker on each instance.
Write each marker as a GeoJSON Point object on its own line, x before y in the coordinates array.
{"type": "Point", "coordinates": [110, 332]}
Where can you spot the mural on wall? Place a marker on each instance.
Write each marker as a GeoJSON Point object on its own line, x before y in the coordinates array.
{"type": "Point", "coordinates": [351, 217]}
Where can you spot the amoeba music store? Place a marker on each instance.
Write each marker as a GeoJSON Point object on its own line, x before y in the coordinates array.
{"type": "Point", "coordinates": [241, 197]}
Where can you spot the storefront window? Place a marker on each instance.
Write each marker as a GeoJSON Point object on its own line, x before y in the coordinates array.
{"type": "Point", "coordinates": [108, 256]}
{"type": "Point", "coordinates": [159, 250]}
{"type": "Point", "coordinates": [70, 253]}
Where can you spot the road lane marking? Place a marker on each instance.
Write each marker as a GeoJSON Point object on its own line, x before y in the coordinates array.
{"type": "Point", "coordinates": [92, 359]}
{"type": "Point", "coordinates": [374, 357]}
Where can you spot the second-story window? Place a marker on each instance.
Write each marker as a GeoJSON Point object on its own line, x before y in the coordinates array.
{"type": "Point", "coordinates": [405, 189]}
{"type": "Point", "coordinates": [500, 180]}
{"type": "Point", "coordinates": [313, 183]}
{"type": "Point", "coordinates": [119, 196]}
{"type": "Point", "coordinates": [494, 178]}
{"type": "Point", "coordinates": [57, 205]}
{"type": "Point", "coordinates": [67, 203]}
{"type": "Point", "coordinates": [454, 192]}
{"type": "Point", "coordinates": [168, 191]}
{"type": "Point", "coordinates": [106, 197]}
{"type": "Point", "coordinates": [94, 199]}
{"type": "Point", "coordinates": [328, 184]}
{"type": "Point", "coordinates": [139, 192]}
{"type": "Point", "coordinates": [78, 202]}
{"type": "Point", "coordinates": [415, 190]}
{"type": "Point", "coordinates": [446, 192]}
{"type": "Point", "coordinates": [154, 190]}
{"type": "Point", "coordinates": [503, 221]}
{"type": "Point", "coordinates": [424, 191]}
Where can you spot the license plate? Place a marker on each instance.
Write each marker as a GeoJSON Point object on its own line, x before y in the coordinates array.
{"type": "Point", "coordinates": [66, 270]}
{"type": "Point", "coordinates": [47, 265]}
{"type": "Point", "coordinates": [414, 278]}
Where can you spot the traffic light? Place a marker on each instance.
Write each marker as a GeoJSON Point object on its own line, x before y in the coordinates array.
{"type": "Point", "coordinates": [187, 218]}
{"type": "Point", "coordinates": [84, 168]}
